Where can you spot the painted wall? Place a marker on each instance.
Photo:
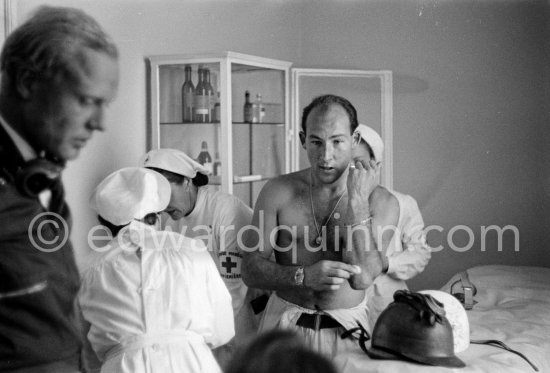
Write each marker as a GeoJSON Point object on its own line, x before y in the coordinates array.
{"type": "Point", "coordinates": [468, 114]}
{"type": "Point", "coordinates": [469, 109]}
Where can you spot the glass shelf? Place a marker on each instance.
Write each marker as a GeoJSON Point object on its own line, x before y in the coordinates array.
{"type": "Point", "coordinates": [238, 179]}
{"type": "Point", "coordinates": [210, 123]}
{"type": "Point", "coordinates": [187, 123]}
{"type": "Point", "coordinates": [261, 124]}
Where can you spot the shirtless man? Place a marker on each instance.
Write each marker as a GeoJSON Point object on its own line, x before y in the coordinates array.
{"type": "Point", "coordinates": [317, 221]}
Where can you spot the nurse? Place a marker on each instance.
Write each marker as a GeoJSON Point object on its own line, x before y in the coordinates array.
{"type": "Point", "coordinates": [154, 300]}
{"type": "Point", "coordinates": [199, 211]}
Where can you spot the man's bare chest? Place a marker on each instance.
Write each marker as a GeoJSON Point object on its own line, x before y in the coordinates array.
{"type": "Point", "coordinates": [312, 225]}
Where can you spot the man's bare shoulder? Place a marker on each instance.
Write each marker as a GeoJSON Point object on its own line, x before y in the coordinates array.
{"type": "Point", "coordinates": [287, 185]}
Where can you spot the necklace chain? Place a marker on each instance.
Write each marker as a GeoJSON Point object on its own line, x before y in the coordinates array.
{"type": "Point", "coordinates": [319, 238]}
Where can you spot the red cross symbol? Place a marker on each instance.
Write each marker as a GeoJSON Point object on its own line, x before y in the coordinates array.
{"type": "Point", "coordinates": [229, 264]}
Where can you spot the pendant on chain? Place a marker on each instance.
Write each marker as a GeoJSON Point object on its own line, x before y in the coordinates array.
{"type": "Point", "coordinates": [319, 238]}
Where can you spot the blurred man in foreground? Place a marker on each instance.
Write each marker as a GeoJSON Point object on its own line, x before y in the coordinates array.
{"type": "Point", "coordinates": [59, 71]}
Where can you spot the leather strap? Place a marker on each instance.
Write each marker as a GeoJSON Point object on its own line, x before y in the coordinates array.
{"type": "Point", "coordinates": [499, 344]}
{"type": "Point", "coordinates": [468, 290]}
{"type": "Point", "coordinates": [363, 336]}
{"type": "Point", "coordinates": [317, 321]}
{"type": "Point", "coordinates": [466, 296]}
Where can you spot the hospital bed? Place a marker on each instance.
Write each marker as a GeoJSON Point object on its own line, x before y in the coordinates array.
{"type": "Point", "coordinates": [512, 305]}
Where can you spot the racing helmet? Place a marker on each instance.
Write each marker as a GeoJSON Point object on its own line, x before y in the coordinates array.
{"type": "Point", "coordinates": [456, 314]}
{"type": "Point", "coordinates": [414, 327]}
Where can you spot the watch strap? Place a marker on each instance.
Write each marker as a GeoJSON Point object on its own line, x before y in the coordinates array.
{"type": "Point", "coordinates": [299, 276]}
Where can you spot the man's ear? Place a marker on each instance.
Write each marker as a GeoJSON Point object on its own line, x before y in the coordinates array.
{"type": "Point", "coordinates": [187, 181]}
{"type": "Point", "coordinates": [303, 139]}
{"type": "Point", "coordinates": [378, 167]}
{"type": "Point", "coordinates": [356, 139]}
{"type": "Point", "coordinates": [24, 82]}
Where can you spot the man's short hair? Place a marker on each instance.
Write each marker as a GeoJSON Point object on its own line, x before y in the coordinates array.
{"type": "Point", "coordinates": [326, 101]}
{"type": "Point", "coordinates": [50, 43]}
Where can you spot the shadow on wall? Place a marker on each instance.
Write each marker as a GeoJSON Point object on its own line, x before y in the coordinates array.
{"type": "Point", "coordinates": [403, 83]}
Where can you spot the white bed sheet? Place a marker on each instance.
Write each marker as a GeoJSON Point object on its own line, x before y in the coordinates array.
{"type": "Point", "coordinates": [513, 307]}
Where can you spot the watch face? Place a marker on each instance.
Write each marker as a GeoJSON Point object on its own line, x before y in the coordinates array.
{"type": "Point", "coordinates": [299, 276]}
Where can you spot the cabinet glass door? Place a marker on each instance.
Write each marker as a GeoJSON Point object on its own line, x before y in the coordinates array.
{"type": "Point", "coordinates": [370, 92]}
{"type": "Point", "coordinates": [259, 139]}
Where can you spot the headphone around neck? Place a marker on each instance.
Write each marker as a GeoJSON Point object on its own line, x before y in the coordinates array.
{"type": "Point", "coordinates": [37, 175]}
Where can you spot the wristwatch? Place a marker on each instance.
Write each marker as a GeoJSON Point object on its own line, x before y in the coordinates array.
{"type": "Point", "coordinates": [299, 276]}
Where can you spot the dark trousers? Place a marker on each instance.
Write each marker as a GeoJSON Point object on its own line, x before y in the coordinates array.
{"type": "Point", "coordinates": [65, 366]}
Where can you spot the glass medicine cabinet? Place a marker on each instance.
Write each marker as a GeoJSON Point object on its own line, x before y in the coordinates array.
{"type": "Point", "coordinates": [197, 105]}
{"type": "Point", "coordinates": [236, 113]}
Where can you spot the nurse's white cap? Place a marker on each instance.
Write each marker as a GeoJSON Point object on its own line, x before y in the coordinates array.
{"type": "Point", "coordinates": [130, 193]}
{"type": "Point", "coordinates": [173, 160]}
{"type": "Point", "coordinates": [374, 140]}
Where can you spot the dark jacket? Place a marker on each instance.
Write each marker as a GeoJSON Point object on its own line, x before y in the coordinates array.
{"type": "Point", "coordinates": [38, 283]}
